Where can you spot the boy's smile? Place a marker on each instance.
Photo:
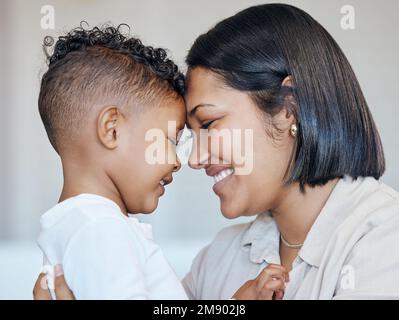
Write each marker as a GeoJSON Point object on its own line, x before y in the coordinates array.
{"type": "Point", "coordinates": [147, 160]}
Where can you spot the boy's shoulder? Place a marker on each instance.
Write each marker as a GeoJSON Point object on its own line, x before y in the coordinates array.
{"type": "Point", "coordinates": [80, 210]}
{"type": "Point", "coordinates": [87, 217]}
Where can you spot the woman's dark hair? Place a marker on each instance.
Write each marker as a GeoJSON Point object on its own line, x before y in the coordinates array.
{"type": "Point", "coordinates": [256, 49]}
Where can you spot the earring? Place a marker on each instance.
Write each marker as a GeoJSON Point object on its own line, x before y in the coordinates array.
{"type": "Point", "coordinates": [294, 130]}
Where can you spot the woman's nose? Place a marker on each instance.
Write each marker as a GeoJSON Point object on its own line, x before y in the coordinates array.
{"type": "Point", "coordinates": [198, 157]}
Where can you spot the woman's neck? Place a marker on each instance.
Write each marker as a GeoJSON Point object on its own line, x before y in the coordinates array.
{"type": "Point", "coordinates": [296, 211]}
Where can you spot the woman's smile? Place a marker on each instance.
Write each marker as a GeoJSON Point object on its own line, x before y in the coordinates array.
{"type": "Point", "coordinates": [221, 176]}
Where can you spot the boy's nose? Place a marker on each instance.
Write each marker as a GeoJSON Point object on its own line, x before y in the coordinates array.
{"type": "Point", "coordinates": [177, 165]}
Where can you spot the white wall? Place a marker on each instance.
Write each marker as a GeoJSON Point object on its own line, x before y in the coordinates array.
{"type": "Point", "coordinates": [30, 170]}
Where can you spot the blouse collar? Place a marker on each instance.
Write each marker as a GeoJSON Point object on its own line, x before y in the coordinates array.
{"type": "Point", "coordinates": [263, 236]}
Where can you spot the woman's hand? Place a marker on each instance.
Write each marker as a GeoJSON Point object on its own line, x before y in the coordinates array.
{"type": "Point", "coordinates": [62, 291]}
{"type": "Point", "coordinates": [268, 285]}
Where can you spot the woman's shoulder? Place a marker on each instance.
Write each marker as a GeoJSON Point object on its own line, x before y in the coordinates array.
{"type": "Point", "coordinates": [368, 241]}
{"type": "Point", "coordinates": [364, 199]}
{"type": "Point", "coordinates": [389, 193]}
{"type": "Point", "coordinates": [369, 218]}
{"type": "Point", "coordinates": [377, 204]}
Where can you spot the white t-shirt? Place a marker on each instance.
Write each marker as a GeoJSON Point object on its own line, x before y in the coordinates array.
{"type": "Point", "coordinates": [106, 255]}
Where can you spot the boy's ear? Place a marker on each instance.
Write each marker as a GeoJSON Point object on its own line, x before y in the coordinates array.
{"type": "Point", "coordinates": [108, 126]}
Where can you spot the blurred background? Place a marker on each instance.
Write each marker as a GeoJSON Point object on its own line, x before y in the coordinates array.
{"type": "Point", "coordinates": [188, 216]}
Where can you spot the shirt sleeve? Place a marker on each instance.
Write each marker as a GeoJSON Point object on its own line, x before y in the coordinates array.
{"type": "Point", "coordinates": [105, 260]}
{"type": "Point", "coordinates": [371, 270]}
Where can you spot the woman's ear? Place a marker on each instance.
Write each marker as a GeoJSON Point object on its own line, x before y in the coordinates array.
{"type": "Point", "coordinates": [286, 117]}
{"type": "Point", "coordinates": [283, 120]}
{"type": "Point", "coordinates": [290, 103]}
{"type": "Point", "coordinates": [287, 82]}
{"type": "Point", "coordinates": [108, 127]}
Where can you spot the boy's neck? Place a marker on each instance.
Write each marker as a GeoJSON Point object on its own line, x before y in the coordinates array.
{"type": "Point", "coordinates": [78, 180]}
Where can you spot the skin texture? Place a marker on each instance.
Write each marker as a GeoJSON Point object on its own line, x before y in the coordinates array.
{"type": "Point", "coordinates": [62, 291]}
{"type": "Point", "coordinates": [268, 285]}
{"type": "Point", "coordinates": [233, 109]}
{"type": "Point", "coordinates": [264, 188]}
{"type": "Point", "coordinates": [109, 160]}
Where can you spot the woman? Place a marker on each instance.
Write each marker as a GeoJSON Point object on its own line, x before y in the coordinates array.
{"type": "Point", "coordinates": [322, 214]}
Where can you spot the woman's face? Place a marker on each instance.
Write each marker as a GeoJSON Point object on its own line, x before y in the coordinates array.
{"type": "Point", "coordinates": [213, 106]}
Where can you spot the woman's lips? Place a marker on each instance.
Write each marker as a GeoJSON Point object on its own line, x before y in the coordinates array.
{"type": "Point", "coordinates": [221, 178]}
{"type": "Point", "coordinates": [214, 170]}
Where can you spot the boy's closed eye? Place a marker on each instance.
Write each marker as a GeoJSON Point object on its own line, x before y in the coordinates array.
{"type": "Point", "coordinates": [173, 141]}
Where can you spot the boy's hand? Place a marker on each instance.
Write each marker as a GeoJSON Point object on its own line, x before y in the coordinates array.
{"type": "Point", "coordinates": [62, 291]}
{"type": "Point", "coordinates": [268, 285]}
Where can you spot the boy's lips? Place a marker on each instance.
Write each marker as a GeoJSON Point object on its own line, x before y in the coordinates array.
{"type": "Point", "coordinates": [166, 181]}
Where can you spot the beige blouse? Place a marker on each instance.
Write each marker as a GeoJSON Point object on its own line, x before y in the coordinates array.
{"type": "Point", "coordinates": [351, 251]}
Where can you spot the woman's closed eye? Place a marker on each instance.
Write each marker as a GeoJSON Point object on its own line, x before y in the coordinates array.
{"type": "Point", "coordinates": [207, 124]}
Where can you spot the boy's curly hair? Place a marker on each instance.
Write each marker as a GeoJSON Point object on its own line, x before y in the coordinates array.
{"type": "Point", "coordinates": [101, 66]}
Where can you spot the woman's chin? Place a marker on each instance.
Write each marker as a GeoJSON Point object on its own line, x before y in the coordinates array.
{"type": "Point", "coordinates": [234, 209]}
{"type": "Point", "coordinates": [230, 210]}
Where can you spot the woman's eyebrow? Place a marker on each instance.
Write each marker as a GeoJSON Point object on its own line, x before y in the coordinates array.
{"type": "Point", "coordinates": [194, 110]}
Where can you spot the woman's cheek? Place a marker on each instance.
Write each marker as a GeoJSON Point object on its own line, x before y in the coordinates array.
{"type": "Point", "coordinates": [220, 145]}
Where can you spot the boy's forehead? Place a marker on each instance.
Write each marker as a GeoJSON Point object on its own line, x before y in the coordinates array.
{"type": "Point", "coordinates": [174, 110]}
{"type": "Point", "coordinates": [187, 122]}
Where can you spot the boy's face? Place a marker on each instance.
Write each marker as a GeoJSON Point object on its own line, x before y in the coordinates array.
{"type": "Point", "coordinates": [146, 154]}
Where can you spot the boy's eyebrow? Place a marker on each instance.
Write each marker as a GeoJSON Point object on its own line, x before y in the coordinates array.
{"type": "Point", "coordinates": [194, 110]}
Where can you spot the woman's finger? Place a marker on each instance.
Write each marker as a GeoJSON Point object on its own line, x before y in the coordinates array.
{"type": "Point", "coordinates": [271, 288]}
{"type": "Point", "coordinates": [265, 295]}
{"type": "Point", "coordinates": [275, 285]}
{"type": "Point", "coordinates": [40, 290]}
{"type": "Point", "coordinates": [62, 291]}
{"type": "Point", "coordinates": [283, 269]}
{"type": "Point", "coordinates": [267, 274]}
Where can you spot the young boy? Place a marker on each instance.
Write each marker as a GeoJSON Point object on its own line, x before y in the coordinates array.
{"type": "Point", "coordinates": [99, 98]}
{"type": "Point", "coordinates": [100, 95]}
